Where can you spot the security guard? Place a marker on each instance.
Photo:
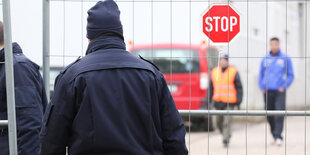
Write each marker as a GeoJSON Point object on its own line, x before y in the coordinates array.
{"type": "Point", "coordinates": [226, 93]}
{"type": "Point", "coordinates": [111, 102]}
{"type": "Point", "coordinates": [30, 99]}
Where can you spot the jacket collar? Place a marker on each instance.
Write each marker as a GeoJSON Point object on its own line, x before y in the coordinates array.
{"type": "Point", "coordinates": [16, 49]}
{"type": "Point", "coordinates": [105, 42]}
{"type": "Point", "coordinates": [277, 55]}
{"type": "Point", "coordinates": [224, 69]}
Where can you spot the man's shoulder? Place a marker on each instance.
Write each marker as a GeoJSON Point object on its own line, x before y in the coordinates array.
{"type": "Point", "coordinates": [149, 63]}
{"type": "Point", "coordinates": [68, 68]}
{"type": "Point", "coordinates": [107, 60]}
{"type": "Point", "coordinates": [215, 69]}
{"type": "Point", "coordinates": [155, 70]}
{"type": "Point", "coordinates": [284, 55]}
{"type": "Point", "coordinates": [233, 67]}
{"type": "Point", "coordinates": [21, 60]}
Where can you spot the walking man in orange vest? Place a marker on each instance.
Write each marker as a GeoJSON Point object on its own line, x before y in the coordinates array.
{"type": "Point", "coordinates": [226, 93]}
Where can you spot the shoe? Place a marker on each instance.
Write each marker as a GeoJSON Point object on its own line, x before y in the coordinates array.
{"type": "Point", "coordinates": [226, 143]}
{"type": "Point", "coordinates": [279, 142]}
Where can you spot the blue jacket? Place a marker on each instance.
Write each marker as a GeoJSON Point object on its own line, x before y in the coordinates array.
{"type": "Point", "coordinates": [277, 70]}
{"type": "Point", "coordinates": [30, 100]}
{"type": "Point", "coordinates": [111, 102]}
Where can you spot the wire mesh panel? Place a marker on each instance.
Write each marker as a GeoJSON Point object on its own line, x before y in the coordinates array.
{"type": "Point", "coordinates": [169, 33]}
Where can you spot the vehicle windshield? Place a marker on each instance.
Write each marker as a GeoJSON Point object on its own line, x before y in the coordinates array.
{"type": "Point", "coordinates": [172, 60]}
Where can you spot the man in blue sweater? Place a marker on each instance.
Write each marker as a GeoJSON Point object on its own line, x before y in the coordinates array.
{"type": "Point", "coordinates": [275, 76]}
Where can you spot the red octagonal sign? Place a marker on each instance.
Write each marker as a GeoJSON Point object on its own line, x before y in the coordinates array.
{"type": "Point", "coordinates": [221, 23]}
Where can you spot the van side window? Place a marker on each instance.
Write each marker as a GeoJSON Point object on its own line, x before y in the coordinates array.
{"type": "Point", "coordinates": [172, 60]}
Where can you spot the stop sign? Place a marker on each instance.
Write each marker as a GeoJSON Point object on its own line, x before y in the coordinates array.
{"type": "Point", "coordinates": [221, 23]}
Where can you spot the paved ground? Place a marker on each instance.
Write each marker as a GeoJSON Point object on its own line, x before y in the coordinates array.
{"type": "Point", "coordinates": [255, 141]}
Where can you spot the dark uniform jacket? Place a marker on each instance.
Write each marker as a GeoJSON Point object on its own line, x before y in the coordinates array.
{"type": "Point", "coordinates": [111, 102]}
{"type": "Point", "coordinates": [30, 100]}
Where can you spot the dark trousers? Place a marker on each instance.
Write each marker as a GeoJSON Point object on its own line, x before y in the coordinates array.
{"type": "Point", "coordinates": [223, 122]}
{"type": "Point", "coordinates": [275, 100]}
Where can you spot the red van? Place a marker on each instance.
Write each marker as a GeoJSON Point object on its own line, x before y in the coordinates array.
{"type": "Point", "coordinates": [185, 68]}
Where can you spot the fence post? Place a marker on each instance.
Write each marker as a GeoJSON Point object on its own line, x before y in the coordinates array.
{"type": "Point", "coordinates": [46, 46]}
{"type": "Point", "coordinates": [9, 77]}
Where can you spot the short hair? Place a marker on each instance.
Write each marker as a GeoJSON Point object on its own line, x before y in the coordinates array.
{"type": "Point", "coordinates": [275, 39]}
{"type": "Point", "coordinates": [1, 34]}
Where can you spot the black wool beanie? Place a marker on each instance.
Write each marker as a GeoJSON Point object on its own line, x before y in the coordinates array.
{"type": "Point", "coordinates": [102, 18]}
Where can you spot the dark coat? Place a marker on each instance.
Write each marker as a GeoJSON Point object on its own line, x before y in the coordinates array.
{"type": "Point", "coordinates": [111, 102]}
{"type": "Point", "coordinates": [30, 100]}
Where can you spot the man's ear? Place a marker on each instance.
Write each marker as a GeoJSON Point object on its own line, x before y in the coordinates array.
{"type": "Point", "coordinates": [89, 40]}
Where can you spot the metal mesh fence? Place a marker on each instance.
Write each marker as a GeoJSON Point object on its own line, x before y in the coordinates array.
{"type": "Point", "coordinates": [176, 24]}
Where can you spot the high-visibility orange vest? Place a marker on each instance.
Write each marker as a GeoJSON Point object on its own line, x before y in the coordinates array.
{"type": "Point", "coordinates": [223, 85]}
